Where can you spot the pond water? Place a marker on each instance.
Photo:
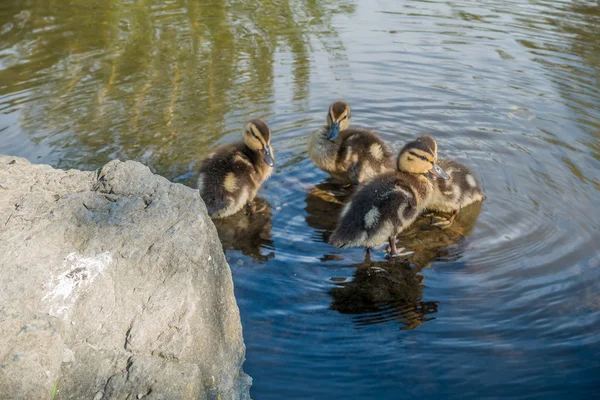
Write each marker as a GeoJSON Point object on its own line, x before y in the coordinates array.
{"type": "Point", "coordinates": [504, 304]}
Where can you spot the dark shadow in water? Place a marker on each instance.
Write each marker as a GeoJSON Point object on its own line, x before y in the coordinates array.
{"type": "Point", "coordinates": [158, 82]}
{"type": "Point", "coordinates": [445, 245]}
{"type": "Point", "coordinates": [384, 291]}
{"type": "Point", "coordinates": [249, 232]}
{"type": "Point", "coordinates": [389, 290]}
{"type": "Point", "coordinates": [324, 203]}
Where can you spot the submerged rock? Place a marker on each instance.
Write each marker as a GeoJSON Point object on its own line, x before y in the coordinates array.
{"type": "Point", "coordinates": [113, 284]}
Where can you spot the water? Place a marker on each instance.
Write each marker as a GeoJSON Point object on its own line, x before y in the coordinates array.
{"type": "Point", "coordinates": [505, 304]}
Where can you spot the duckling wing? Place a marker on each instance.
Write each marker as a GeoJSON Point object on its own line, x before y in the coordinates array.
{"type": "Point", "coordinates": [459, 191]}
{"type": "Point", "coordinates": [226, 181]}
{"type": "Point", "coordinates": [363, 154]}
{"type": "Point", "coordinates": [380, 209]}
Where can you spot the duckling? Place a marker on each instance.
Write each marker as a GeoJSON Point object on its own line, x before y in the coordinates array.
{"type": "Point", "coordinates": [349, 155]}
{"type": "Point", "coordinates": [390, 202]}
{"type": "Point", "coordinates": [231, 175]}
{"type": "Point", "coordinates": [450, 196]}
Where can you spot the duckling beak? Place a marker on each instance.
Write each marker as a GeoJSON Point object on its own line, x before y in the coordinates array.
{"type": "Point", "coordinates": [268, 156]}
{"type": "Point", "coordinates": [334, 132]}
{"type": "Point", "coordinates": [438, 171]}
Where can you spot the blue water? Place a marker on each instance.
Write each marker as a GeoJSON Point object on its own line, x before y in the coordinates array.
{"type": "Point", "coordinates": [504, 304]}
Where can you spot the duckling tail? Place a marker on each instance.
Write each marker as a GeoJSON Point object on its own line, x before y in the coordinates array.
{"type": "Point", "coordinates": [336, 240]}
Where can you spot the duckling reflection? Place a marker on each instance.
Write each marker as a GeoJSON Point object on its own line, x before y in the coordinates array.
{"type": "Point", "coordinates": [324, 202]}
{"type": "Point", "coordinates": [393, 290]}
{"type": "Point", "coordinates": [384, 291]}
{"type": "Point", "coordinates": [432, 244]}
{"type": "Point", "coordinates": [248, 231]}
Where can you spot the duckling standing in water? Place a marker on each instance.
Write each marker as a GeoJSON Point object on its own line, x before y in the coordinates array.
{"type": "Point", "coordinates": [347, 154]}
{"type": "Point", "coordinates": [450, 196]}
{"type": "Point", "coordinates": [390, 202]}
{"type": "Point", "coordinates": [231, 175]}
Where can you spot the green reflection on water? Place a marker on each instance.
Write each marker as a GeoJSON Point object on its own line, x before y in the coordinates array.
{"type": "Point", "coordinates": [152, 80]}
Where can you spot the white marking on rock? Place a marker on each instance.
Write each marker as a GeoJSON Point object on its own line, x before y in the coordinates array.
{"type": "Point", "coordinates": [372, 217]}
{"type": "Point", "coordinates": [471, 180]}
{"type": "Point", "coordinates": [79, 272]}
{"type": "Point", "coordinates": [68, 356]}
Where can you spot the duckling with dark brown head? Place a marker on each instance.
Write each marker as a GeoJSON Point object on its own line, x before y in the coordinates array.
{"type": "Point", "coordinates": [392, 201]}
{"type": "Point", "coordinates": [231, 176]}
{"type": "Point", "coordinates": [349, 155]}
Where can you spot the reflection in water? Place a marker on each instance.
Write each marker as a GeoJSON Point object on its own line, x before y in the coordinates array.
{"type": "Point", "coordinates": [154, 81]}
{"type": "Point", "coordinates": [324, 202]}
{"type": "Point", "coordinates": [445, 245]}
{"type": "Point", "coordinates": [384, 291]}
{"type": "Point", "coordinates": [248, 231]}
{"type": "Point", "coordinates": [393, 289]}
{"type": "Point", "coordinates": [572, 82]}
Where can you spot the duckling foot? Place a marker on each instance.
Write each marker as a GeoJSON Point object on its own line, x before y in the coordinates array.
{"type": "Point", "coordinates": [253, 208]}
{"type": "Point", "coordinates": [368, 255]}
{"type": "Point", "coordinates": [394, 252]}
{"type": "Point", "coordinates": [443, 223]}
{"type": "Point", "coordinates": [400, 253]}
{"type": "Point", "coordinates": [440, 222]}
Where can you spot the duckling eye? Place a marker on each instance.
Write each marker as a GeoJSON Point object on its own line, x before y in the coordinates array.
{"type": "Point", "coordinates": [419, 156]}
{"type": "Point", "coordinates": [345, 117]}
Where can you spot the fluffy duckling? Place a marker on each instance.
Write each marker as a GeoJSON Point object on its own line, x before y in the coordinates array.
{"type": "Point", "coordinates": [231, 175]}
{"type": "Point", "coordinates": [450, 196]}
{"type": "Point", "coordinates": [390, 202]}
{"type": "Point", "coordinates": [347, 154]}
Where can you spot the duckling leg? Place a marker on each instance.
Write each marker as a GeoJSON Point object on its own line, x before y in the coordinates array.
{"type": "Point", "coordinates": [252, 208]}
{"type": "Point", "coordinates": [394, 250]}
{"type": "Point", "coordinates": [444, 223]}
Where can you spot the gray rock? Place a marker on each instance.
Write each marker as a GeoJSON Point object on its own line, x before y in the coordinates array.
{"type": "Point", "coordinates": [113, 285]}
{"type": "Point", "coordinates": [30, 353]}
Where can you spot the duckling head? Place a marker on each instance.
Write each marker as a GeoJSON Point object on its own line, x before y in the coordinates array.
{"type": "Point", "coordinates": [338, 118]}
{"type": "Point", "coordinates": [420, 157]}
{"type": "Point", "coordinates": [257, 136]}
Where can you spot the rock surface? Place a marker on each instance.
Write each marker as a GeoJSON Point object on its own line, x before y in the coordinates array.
{"type": "Point", "coordinates": [113, 284]}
